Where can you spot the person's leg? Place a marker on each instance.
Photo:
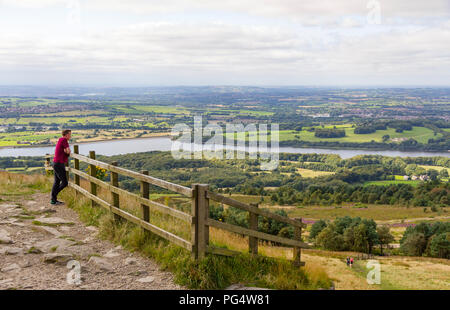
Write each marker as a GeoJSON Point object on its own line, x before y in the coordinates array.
{"type": "Point", "coordinates": [64, 181]}
{"type": "Point", "coordinates": [60, 170]}
{"type": "Point", "coordinates": [56, 183]}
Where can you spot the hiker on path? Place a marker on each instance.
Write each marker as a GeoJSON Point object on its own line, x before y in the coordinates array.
{"type": "Point", "coordinates": [351, 261]}
{"type": "Point", "coordinates": [62, 153]}
{"type": "Point", "coordinates": [348, 261]}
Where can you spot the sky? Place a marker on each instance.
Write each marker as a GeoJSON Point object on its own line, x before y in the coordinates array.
{"type": "Point", "coordinates": [226, 42]}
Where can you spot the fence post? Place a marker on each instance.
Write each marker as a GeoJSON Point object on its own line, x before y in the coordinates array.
{"type": "Point", "coordinates": [297, 251]}
{"type": "Point", "coordinates": [204, 207]}
{"type": "Point", "coordinates": [47, 160]}
{"type": "Point", "coordinates": [194, 224]}
{"type": "Point", "coordinates": [93, 173]}
{"type": "Point", "coordinates": [115, 197]}
{"type": "Point", "coordinates": [66, 165]}
{"type": "Point", "coordinates": [200, 213]}
{"type": "Point", "coordinates": [145, 193]}
{"type": "Point", "coordinates": [76, 166]}
{"type": "Point", "coordinates": [253, 224]}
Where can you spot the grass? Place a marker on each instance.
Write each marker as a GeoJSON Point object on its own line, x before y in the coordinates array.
{"type": "Point", "coordinates": [308, 173]}
{"type": "Point", "coordinates": [149, 108]}
{"type": "Point", "coordinates": [421, 134]}
{"type": "Point", "coordinates": [273, 271]}
{"type": "Point", "coordinates": [83, 135]}
{"type": "Point", "coordinates": [21, 185]}
{"type": "Point", "coordinates": [411, 273]}
{"type": "Point", "coordinates": [392, 182]}
{"type": "Point", "coordinates": [438, 168]}
{"type": "Point", "coordinates": [376, 212]}
{"type": "Point", "coordinates": [213, 272]}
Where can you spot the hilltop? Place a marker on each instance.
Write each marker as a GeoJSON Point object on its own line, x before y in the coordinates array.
{"type": "Point", "coordinates": [40, 239]}
{"type": "Point", "coordinates": [37, 240]}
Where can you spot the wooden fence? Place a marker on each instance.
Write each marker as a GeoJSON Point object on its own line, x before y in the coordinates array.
{"type": "Point", "coordinates": [199, 219]}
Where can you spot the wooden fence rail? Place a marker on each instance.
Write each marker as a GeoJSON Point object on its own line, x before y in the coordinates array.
{"type": "Point", "coordinates": [199, 218]}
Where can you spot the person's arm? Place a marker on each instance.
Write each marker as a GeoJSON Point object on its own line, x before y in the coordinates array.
{"type": "Point", "coordinates": [66, 148]}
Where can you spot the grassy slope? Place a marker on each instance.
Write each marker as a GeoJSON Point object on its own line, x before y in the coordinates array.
{"type": "Point", "coordinates": [213, 272]}
{"type": "Point", "coordinates": [218, 272]}
{"type": "Point", "coordinates": [376, 212]}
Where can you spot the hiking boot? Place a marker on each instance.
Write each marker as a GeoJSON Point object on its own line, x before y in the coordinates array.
{"type": "Point", "coordinates": [56, 202]}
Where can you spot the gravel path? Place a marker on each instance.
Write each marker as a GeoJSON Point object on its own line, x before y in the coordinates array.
{"type": "Point", "coordinates": [54, 250]}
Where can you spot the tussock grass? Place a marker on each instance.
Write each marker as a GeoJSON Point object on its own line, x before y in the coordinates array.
{"type": "Point", "coordinates": [21, 184]}
{"type": "Point", "coordinates": [213, 272]}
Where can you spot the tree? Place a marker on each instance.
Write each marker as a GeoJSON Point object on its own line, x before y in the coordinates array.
{"type": "Point", "coordinates": [384, 236]}
{"type": "Point", "coordinates": [330, 239]}
{"type": "Point", "coordinates": [433, 174]}
{"type": "Point", "coordinates": [414, 244]}
{"type": "Point", "coordinates": [360, 238]}
{"type": "Point", "coordinates": [316, 228]}
{"type": "Point", "coordinates": [440, 245]}
{"type": "Point", "coordinates": [443, 173]}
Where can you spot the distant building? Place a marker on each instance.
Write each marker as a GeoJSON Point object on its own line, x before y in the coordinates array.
{"type": "Point", "coordinates": [414, 177]}
{"type": "Point", "coordinates": [406, 177]}
{"type": "Point", "coordinates": [424, 177]}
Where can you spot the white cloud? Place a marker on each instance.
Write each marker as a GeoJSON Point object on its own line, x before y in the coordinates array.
{"type": "Point", "coordinates": [344, 49]}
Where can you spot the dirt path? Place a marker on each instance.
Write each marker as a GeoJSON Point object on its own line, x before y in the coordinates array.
{"type": "Point", "coordinates": [38, 241]}
{"type": "Point", "coordinates": [411, 220]}
{"type": "Point", "coordinates": [343, 277]}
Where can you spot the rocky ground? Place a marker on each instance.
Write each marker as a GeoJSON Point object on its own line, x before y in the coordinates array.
{"type": "Point", "coordinates": [47, 247]}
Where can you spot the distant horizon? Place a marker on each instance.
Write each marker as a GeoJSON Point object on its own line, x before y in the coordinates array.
{"type": "Point", "coordinates": [223, 85]}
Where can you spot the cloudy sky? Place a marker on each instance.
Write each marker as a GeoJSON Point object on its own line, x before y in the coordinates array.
{"type": "Point", "coordinates": [226, 42]}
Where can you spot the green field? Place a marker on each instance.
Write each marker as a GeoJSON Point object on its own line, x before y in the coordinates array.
{"type": "Point", "coordinates": [13, 139]}
{"type": "Point", "coordinates": [420, 134]}
{"type": "Point", "coordinates": [391, 182]}
{"type": "Point", "coordinates": [438, 168]}
{"type": "Point", "coordinates": [375, 212]}
{"type": "Point", "coordinates": [150, 108]}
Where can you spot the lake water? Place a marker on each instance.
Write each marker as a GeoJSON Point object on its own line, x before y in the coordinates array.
{"type": "Point", "coordinates": [116, 147]}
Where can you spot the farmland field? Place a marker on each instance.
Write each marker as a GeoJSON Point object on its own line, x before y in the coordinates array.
{"type": "Point", "coordinates": [421, 134]}
{"type": "Point", "coordinates": [391, 182]}
{"type": "Point", "coordinates": [375, 212]}
{"type": "Point", "coordinates": [438, 168]}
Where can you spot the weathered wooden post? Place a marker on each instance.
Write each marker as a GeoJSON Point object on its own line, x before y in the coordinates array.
{"type": "Point", "coordinates": [76, 165]}
{"type": "Point", "coordinates": [115, 196]}
{"type": "Point", "coordinates": [253, 224]}
{"type": "Point", "coordinates": [66, 165]}
{"type": "Point", "coordinates": [47, 160]}
{"type": "Point", "coordinates": [194, 224]}
{"type": "Point", "coordinates": [199, 228]}
{"type": "Point", "coordinates": [297, 251]}
{"type": "Point", "coordinates": [93, 173]}
{"type": "Point", "coordinates": [48, 165]}
{"type": "Point", "coordinates": [145, 193]}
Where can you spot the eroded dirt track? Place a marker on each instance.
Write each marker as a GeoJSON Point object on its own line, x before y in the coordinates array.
{"type": "Point", "coordinates": [38, 241]}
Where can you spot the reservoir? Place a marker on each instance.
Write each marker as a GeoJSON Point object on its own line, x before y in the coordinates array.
{"type": "Point", "coordinates": [116, 147]}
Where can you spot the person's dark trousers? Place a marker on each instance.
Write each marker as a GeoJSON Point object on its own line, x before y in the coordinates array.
{"type": "Point", "coordinates": [59, 170]}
